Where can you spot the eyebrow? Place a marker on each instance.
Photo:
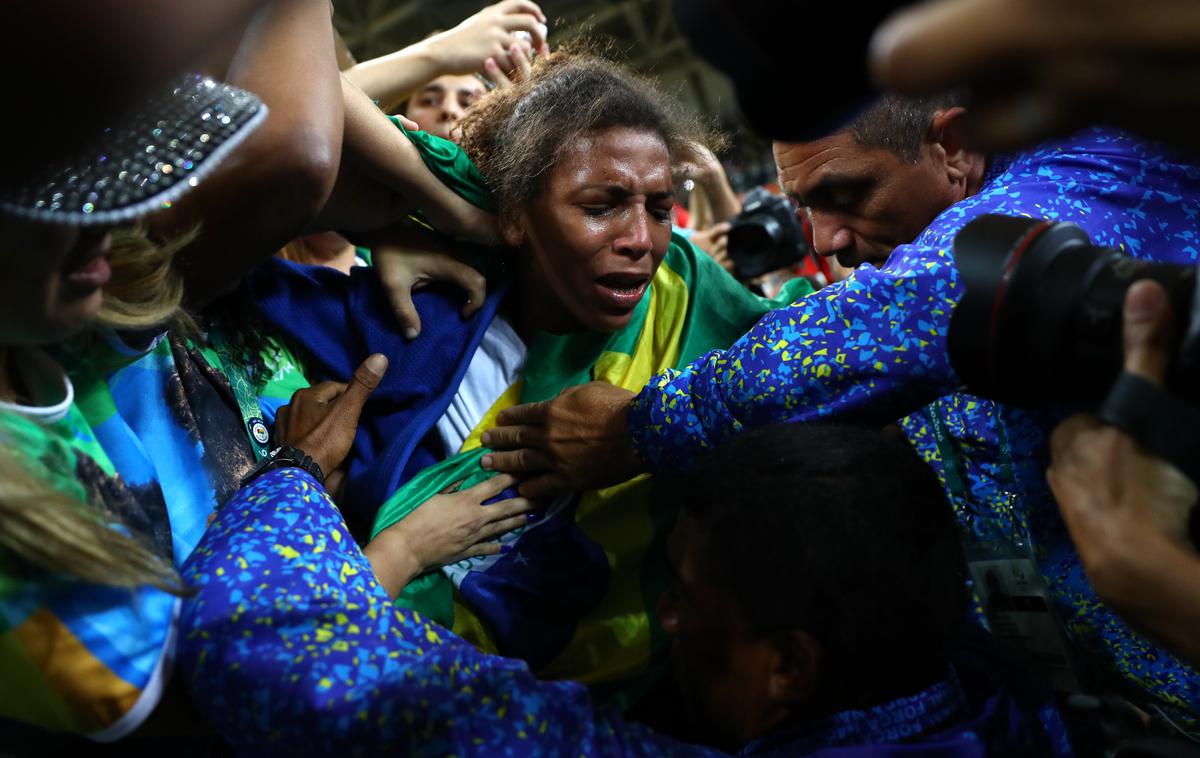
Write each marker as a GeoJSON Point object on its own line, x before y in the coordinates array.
{"type": "Point", "coordinates": [620, 191]}
{"type": "Point", "coordinates": [433, 88]}
{"type": "Point", "coordinates": [829, 183]}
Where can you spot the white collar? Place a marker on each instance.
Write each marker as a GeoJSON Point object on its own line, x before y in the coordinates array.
{"type": "Point", "coordinates": [47, 381]}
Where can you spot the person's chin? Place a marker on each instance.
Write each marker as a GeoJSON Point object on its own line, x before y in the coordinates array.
{"type": "Point", "coordinates": [74, 316]}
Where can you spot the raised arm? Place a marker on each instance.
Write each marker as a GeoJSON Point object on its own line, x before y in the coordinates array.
{"type": "Point", "coordinates": [390, 79]}
{"type": "Point", "coordinates": [272, 185]}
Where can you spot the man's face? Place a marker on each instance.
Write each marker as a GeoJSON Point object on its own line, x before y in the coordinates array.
{"type": "Point", "coordinates": [438, 106]}
{"type": "Point", "coordinates": [721, 668]}
{"type": "Point", "coordinates": [863, 201]}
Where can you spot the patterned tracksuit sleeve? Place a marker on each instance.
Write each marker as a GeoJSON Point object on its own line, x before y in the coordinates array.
{"type": "Point", "coordinates": [868, 349]}
{"type": "Point", "coordinates": [291, 645]}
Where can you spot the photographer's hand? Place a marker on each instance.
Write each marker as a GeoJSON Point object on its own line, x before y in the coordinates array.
{"type": "Point", "coordinates": [1127, 511]}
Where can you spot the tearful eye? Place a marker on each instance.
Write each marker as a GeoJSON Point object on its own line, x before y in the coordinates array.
{"type": "Point", "coordinates": [596, 210]}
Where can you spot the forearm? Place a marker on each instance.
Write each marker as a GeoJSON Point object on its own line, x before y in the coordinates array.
{"type": "Point", "coordinates": [389, 80]}
{"type": "Point", "coordinates": [289, 640]}
{"type": "Point", "coordinates": [271, 187]}
{"type": "Point", "coordinates": [382, 165]}
{"type": "Point", "coordinates": [393, 563]}
{"type": "Point", "coordinates": [868, 350]}
{"type": "Point", "coordinates": [1154, 582]}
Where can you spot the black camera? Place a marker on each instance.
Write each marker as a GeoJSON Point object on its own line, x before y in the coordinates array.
{"type": "Point", "coordinates": [1040, 321]}
{"type": "Point", "coordinates": [766, 235]}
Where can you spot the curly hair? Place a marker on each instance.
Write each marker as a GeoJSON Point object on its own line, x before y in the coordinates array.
{"type": "Point", "coordinates": [516, 135]}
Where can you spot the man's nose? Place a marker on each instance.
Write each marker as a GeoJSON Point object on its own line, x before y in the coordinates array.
{"type": "Point", "coordinates": [635, 240]}
{"type": "Point", "coordinates": [830, 234]}
{"type": "Point", "coordinates": [451, 110]}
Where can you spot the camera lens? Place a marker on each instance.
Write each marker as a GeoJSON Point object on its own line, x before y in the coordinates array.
{"type": "Point", "coordinates": [1040, 320]}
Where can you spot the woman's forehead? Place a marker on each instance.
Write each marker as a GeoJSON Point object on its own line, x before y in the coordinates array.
{"type": "Point", "coordinates": [636, 159]}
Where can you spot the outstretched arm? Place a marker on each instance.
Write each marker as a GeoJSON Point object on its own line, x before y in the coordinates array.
{"type": "Point", "coordinates": [1128, 511]}
{"type": "Point", "coordinates": [869, 349]}
{"type": "Point", "coordinates": [292, 641]}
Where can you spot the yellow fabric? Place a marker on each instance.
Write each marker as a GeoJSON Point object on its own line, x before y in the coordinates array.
{"type": "Point", "coordinates": [509, 398]}
{"type": "Point", "coordinates": [89, 695]}
{"type": "Point", "coordinates": [612, 642]}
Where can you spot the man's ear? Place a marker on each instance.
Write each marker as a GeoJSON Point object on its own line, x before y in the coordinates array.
{"type": "Point", "coordinates": [947, 133]}
{"type": "Point", "coordinates": [792, 681]}
{"type": "Point", "coordinates": [512, 230]}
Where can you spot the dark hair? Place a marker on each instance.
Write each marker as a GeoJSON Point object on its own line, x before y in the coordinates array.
{"type": "Point", "coordinates": [900, 124]}
{"type": "Point", "coordinates": [842, 532]}
{"type": "Point", "coordinates": [516, 135]}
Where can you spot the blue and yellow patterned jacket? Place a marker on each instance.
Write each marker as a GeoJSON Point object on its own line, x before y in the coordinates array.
{"type": "Point", "coordinates": [873, 349]}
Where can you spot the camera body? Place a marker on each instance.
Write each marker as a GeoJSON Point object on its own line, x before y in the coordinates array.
{"type": "Point", "coordinates": [766, 235]}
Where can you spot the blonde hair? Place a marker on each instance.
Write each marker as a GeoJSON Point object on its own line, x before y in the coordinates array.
{"type": "Point", "coordinates": [146, 288]}
{"type": "Point", "coordinates": [58, 533]}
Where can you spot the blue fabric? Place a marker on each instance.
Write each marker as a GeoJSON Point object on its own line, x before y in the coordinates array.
{"type": "Point", "coordinates": [872, 349]}
{"type": "Point", "coordinates": [318, 660]}
{"type": "Point", "coordinates": [339, 320]}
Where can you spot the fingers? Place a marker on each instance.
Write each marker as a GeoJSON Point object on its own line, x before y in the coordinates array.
{"type": "Point", "coordinates": [489, 488]}
{"type": "Point", "coordinates": [527, 23]}
{"type": "Point", "coordinates": [399, 293]}
{"type": "Point", "coordinates": [499, 528]}
{"type": "Point", "coordinates": [507, 509]}
{"type": "Point", "coordinates": [514, 437]}
{"type": "Point", "coordinates": [522, 6]}
{"type": "Point", "coordinates": [408, 123]}
{"type": "Point", "coordinates": [1065, 434]}
{"type": "Point", "coordinates": [517, 461]}
{"type": "Point", "coordinates": [492, 71]}
{"type": "Point", "coordinates": [447, 269]}
{"type": "Point", "coordinates": [529, 414]}
{"type": "Point", "coordinates": [522, 56]}
{"type": "Point", "coordinates": [1147, 326]}
{"type": "Point", "coordinates": [322, 392]}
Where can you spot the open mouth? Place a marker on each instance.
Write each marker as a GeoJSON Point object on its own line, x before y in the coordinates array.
{"type": "Point", "coordinates": [624, 291]}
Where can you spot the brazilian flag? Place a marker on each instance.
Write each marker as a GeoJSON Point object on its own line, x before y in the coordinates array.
{"type": "Point", "coordinates": [574, 593]}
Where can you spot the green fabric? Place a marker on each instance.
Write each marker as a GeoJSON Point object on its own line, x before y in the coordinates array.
{"type": "Point", "coordinates": [697, 307]}
{"type": "Point", "coordinates": [727, 309]}
{"type": "Point", "coordinates": [451, 165]}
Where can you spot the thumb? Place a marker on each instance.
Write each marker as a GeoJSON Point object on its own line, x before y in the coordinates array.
{"type": "Point", "coordinates": [1147, 327]}
{"type": "Point", "coordinates": [366, 378]}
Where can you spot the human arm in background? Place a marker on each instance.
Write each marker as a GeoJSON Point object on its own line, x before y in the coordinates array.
{"type": "Point", "coordinates": [714, 240]}
{"type": "Point", "coordinates": [717, 202]}
{"type": "Point", "coordinates": [1128, 511]}
{"type": "Point", "coordinates": [1039, 69]}
{"type": "Point", "coordinates": [487, 35]}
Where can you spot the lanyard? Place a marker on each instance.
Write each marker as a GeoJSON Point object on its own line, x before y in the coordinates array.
{"type": "Point", "coordinates": [955, 472]}
{"type": "Point", "coordinates": [244, 394]}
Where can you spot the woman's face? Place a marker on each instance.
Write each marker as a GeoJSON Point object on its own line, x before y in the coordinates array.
{"type": "Point", "coordinates": [52, 281]}
{"type": "Point", "coordinates": [598, 233]}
